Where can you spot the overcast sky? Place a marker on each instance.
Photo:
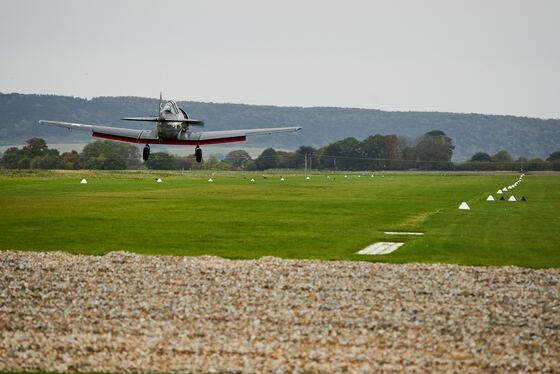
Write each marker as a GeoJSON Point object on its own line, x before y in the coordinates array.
{"type": "Point", "coordinates": [494, 57]}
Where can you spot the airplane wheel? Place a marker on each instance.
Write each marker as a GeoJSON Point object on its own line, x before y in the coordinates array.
{"type": "Point", "coordinates": [146, 153]}
{"type": "Point", "coordinates": [198, 154]}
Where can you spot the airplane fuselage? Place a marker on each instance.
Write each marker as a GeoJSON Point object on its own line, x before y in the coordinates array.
{"type": "Point", "coordinates": [167, 129]}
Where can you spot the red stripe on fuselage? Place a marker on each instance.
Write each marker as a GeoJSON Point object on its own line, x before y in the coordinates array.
{"type": "Point", "coordinates": [169, 141]}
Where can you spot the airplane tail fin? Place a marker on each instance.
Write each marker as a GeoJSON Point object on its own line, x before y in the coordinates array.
{"type": "Point", "coordinates": [160, 105]}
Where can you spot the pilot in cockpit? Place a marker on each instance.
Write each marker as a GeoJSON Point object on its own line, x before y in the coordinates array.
{"type": "Point", "coordinates": [170, 107]}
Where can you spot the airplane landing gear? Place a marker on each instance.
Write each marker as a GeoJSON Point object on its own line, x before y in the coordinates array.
{"type": "Point", "coordinates": [146, 153]}
{"type": "Point", "coordinates": [198, 154]}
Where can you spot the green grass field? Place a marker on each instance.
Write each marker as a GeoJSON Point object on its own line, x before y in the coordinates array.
{"type": "Point", "coordinates": [320, 218]}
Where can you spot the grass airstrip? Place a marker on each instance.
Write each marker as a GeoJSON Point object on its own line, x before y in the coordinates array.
{"type": "Point", "coordinates": [317, 218]}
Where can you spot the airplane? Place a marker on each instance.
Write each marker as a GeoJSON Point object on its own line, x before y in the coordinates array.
{"type": "Point", "coordinates": [173, 127]}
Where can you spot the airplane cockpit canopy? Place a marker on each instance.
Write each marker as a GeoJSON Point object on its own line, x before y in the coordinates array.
{"type": "Point", "coordinates": [171, 107]}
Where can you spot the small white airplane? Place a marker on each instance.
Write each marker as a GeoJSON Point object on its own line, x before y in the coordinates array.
{"type": "Point", "coordinates": [172, 128]}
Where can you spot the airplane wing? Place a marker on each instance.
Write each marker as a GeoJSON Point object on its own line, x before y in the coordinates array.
{"type": "Point", "coordinates": [107, 132]}
{"type": "Point", "coordinates": [183, 137]}
{"type": "Point", "coordinates": [227, 136]}
{"type": "Point", "coordinates": [205, 135]}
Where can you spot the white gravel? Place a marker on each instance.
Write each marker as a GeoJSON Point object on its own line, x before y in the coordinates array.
{"type": "Point", "coordinates": [126, 312]}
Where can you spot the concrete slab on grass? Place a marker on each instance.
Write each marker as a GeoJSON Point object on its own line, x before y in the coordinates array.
{"type": "Point", "coordinates": [403, 233]}
{"type": "Point", "coordinates": [380, 248]}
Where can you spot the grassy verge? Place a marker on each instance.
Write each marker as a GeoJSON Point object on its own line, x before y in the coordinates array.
{"type": "Point", "coordinates": [320, 218]}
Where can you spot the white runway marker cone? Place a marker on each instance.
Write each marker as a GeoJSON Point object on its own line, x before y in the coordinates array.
{"type": "Point", "coordinates": [464, 206]}
{"type": "Point", "coordinates": [159, 180]}
{"type": "Point", "coordinates": [490, 198]}
{"type": "Point", "coordinates": [252, 179]}
{"type": "Point", "coordinates": [499, 191]}
{"type": "Point", "coordinates": [210, 180]}
{"type": "Point", "coordinates": [512, 198]}
{"type": "Point", "coordinates": [84, 181]}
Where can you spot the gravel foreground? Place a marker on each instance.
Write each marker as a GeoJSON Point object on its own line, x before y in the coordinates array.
{"type": "Point", "coordinates": [125, 312]}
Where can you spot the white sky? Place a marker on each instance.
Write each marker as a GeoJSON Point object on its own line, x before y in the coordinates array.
{"type": "Point", "coordinates": [483, 56]}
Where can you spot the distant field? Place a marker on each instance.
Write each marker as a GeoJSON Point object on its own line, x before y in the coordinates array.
{"type": "Point", "coordinates": [319, 218]}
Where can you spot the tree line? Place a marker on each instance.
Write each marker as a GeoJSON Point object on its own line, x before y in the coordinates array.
{"type": "Point", "coordinates": [431, 151]}
{"type": "Point", "coordinates": [100, 155]}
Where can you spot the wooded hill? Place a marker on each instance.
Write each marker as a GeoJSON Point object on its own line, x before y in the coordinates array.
{"type": "Point", "coordinates": [471, 133]}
